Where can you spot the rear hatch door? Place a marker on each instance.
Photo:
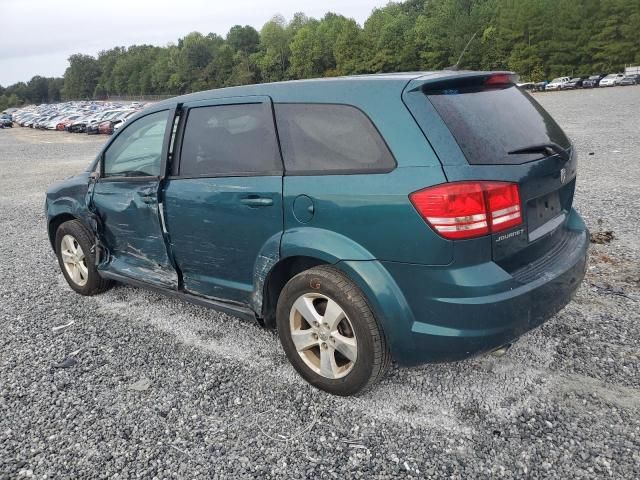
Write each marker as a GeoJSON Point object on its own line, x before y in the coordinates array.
{"type": "Point", "coordinates": [483, 127]}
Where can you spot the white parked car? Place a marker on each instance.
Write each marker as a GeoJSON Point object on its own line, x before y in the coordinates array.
{"type": "Point", "coordinates": [611, 80]}
{"type": "Point", "coordinates": [557, 83]}
{"type": "Point", "coordinates": [120, 121]}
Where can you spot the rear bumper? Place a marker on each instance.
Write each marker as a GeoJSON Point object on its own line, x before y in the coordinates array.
{"type": "Point", "coordinates": [456, 313]}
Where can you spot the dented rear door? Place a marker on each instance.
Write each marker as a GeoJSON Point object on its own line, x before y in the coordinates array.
{"type": "Point", "coordinates": [224, 198]}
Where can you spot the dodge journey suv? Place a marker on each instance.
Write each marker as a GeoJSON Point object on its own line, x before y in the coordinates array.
{"type": "Point", "coordinates": [416, 217]}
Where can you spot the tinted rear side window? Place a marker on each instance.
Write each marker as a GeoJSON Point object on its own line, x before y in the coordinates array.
{"type": "Point", "coordinates": [488, 124]}
{"type": "Point", "coordinates": [324, 138]}
{"type": "Point", "coordinates": [230, 139]}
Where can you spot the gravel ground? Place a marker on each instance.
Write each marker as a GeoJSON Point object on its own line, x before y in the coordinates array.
{"type": "Point", "coordinates": [164, 389]}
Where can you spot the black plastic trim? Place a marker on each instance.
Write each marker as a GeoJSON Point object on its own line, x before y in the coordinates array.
{"type": "Point", "coordinates": [219, 305]}
{"type": "Point", "coordinates": [275, 173]}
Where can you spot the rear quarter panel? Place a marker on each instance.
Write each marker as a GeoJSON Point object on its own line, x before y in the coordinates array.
{"type": "Point", "coordinates": [370, 212]}
{"type": "Point", "coordinates": [363, 217]}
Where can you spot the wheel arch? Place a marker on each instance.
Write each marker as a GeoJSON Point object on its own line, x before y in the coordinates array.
{"type": "Point", "coordinates": [286, 255]}
{"type": "Point", "coordinates": [386, 300]}
{"type": "Point", "coordinates": [63, 204]}
{"type": "Point", "coordinates": [283, 271]}
{"type": "Point", "coordinates": [54, 224]}
{"type": "Point", "coordinates": [388, 303]}
{"type": "Point", "coordinates": [300, 249]}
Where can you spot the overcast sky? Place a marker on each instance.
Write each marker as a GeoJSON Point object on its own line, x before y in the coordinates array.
{"type": "Point", "coordinates": [37, 36]}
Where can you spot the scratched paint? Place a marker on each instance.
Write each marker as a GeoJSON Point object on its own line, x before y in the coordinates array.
{"type": "Point", "coordinates": [216, 238]}
{"type": "Point", "coordinates": [264, 264]}
{"type": "Point", "coordinates": [132, 232]}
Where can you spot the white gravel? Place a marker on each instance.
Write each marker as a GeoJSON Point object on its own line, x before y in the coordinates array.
{"type": "Point", "coordinates": [164, 389]}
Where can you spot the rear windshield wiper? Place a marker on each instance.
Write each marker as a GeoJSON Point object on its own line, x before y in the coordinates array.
{"type": "Point", "coordinates": [550, 148]}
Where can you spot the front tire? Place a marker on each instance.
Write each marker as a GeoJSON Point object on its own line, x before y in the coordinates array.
{"type": "Point", "coordinates": [77, 261]}
{"type": "Point", "coordinates": [329, 333]}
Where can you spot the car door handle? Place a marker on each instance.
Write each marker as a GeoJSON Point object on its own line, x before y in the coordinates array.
{"type": "Point", "coordinates": [257, 201]}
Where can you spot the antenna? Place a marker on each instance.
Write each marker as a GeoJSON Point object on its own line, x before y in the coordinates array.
{"type": "Point", "coordinates": [456, 66]}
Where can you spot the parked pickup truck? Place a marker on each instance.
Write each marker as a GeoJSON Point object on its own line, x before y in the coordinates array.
{"type": "Point", "coordinates": [557, 83]}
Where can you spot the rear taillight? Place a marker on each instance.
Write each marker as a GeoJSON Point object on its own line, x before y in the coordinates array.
{"type": "Point", "coordinates": [469, 209]}
{"type": "Point", "coordinates": [497, 79]}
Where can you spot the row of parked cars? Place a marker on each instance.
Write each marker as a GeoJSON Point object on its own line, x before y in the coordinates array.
{"type": "Point", "coordinates": [593, 81]}
{"type": "Point", "coordinates": [76, 117]}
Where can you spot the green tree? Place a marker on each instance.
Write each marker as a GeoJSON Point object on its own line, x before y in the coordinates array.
{"type": "Point", "coordinates": [162, 70]}
{"type": "Point", "coordinates": [244, 39]}
{"type": "Point", "coordinates": [54, 89]}
{"type": "Point", "coordinates": [303, 56]}
{"type": "Point", "coordinates": [389, 34]}
{"type": "Point", "coordinates": [38, 90]}
{"type": "Point", "coordinates": [536, 38]}
{"type": "Point", "coordinates": [349, 49]}
{"type": "Point", "coordinates": [81, 76]}
{"type": "Point", "coordinates": [317, 46]}
{"type": "Point", "coordinates": [220, 70]}
{"type": "Point", "coordinates": [275, 51]}
{"type": "Point", "coordinates": [616, 36]}
{"type": "Point", "coordinates": [107, 60]}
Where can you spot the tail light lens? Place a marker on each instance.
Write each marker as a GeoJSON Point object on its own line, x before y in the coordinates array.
{"type": "Point", "coordinates": [497, 79]}
{"type": "Point", "coordinates": [469, 209]}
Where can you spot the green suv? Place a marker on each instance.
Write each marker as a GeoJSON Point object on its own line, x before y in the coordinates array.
{"type": "Point", "coordinates": [421, 217]}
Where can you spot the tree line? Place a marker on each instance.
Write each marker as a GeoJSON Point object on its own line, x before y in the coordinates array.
{"type": "Point", "coordinates": [538, 39]}
{"type": "Point", "coordinates": [37, 90]}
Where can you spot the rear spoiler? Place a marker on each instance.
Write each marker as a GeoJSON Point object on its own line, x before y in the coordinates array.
{"type": "Point", "coordinates": [451, 81]}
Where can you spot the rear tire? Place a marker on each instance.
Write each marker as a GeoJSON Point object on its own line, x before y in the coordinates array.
{"type": "Point", "coordinates": [74, 248]}
{"type": "Point", "coordinates": [329, 333]}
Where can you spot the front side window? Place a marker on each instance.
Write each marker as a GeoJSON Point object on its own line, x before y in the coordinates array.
{"type": "Point", "coordinates": [137, 151]}
{"type": "Point", "coordinates": [326, 138]}
{"type": "Point", "coordinates": [228, 140]}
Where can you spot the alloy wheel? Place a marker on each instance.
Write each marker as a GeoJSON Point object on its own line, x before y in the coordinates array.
{"type": "Point", "coordinates": [323, 335]}
{"type": "Point", "coordinates": [74, 260]}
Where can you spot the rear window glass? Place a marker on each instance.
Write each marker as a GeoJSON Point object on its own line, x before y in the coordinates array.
{"type": "Point", "coordinates": [230, 139]}
{"type": "Point", "coordinates": [490, 123]}
{"type": "Point", "coordinates": [324, 138]}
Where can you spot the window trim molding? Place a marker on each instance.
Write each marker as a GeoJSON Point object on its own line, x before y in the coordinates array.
{"type": "Point", "coordinates": [133, 179]}
{"type": "Point", "coordinates": [275, 173]}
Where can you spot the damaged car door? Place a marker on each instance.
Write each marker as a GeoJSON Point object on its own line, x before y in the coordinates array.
{"type": "Point", "coordinates": [223, 199]}
{"type": "Point", "coordinates": [125, 198]}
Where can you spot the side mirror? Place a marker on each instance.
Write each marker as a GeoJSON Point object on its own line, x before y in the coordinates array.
{"type": "Point", "coordinates": [94, 176]}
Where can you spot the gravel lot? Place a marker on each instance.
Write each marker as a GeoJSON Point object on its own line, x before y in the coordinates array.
{"type": "Point", "coordinates": [222, 402]}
